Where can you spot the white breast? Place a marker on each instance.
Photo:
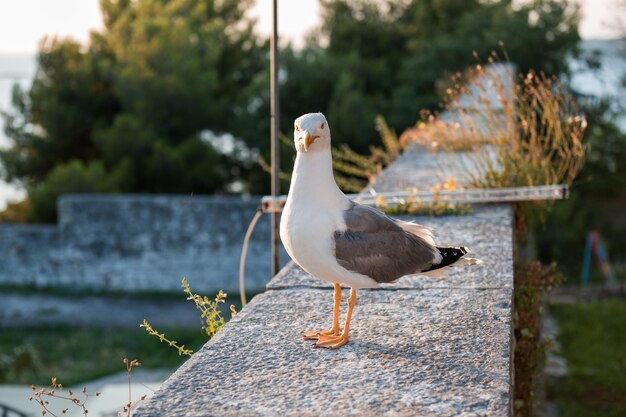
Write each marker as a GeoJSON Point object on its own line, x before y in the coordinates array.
{"type": "Point", "coordinates": [312, 215]}
{"type": "Point", "coordinates": [308, 238]}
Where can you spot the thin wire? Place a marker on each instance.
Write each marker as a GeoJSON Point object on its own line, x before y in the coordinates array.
{"type": "Point", "coordinates": [244, 251]}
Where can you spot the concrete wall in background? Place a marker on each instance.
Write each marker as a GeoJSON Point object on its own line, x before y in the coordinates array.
{"type": "Point", "coordinates": [139, 242]}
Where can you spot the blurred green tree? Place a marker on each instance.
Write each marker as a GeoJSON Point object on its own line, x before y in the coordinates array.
{"type": "Point", "coordinates": [132, 110]}
{"type": "Point", "coordinates": [395, 57]}
{"type": "Point", "coordinates": [149, 94]}
{"type": "Point", "coordinates": [597, 198]}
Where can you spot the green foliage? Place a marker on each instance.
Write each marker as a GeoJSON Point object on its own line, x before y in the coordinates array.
{"type": "Point", "coordinates": [211, 317]}
{"type": "Point", "coordinates": [132, 104]}
{"type": "Point", "coordinates": [592, 338]}
{"type": "Point", "coordinates": [354, 171]}
{"type": "Point", "coordinates": [141, 95]}
{"type": "Point", "coordinates": [52, 122]}
{"type": "Point", "coordinates": [73, 177]}
{"type": "Point", "coordinates": [77, 355]}
{"type": "Point", "coordinates": [532, 282]}
{"type": "Point", "coordinates": [597, 198]}
{"type": "Point", "coordinates": [183, 66]}
{"type": "Point", "coordinates": [23, 358]}
{"type": "Point", "coordinates": [395, 58]}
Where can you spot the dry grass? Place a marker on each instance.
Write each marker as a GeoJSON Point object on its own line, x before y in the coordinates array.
{"type": "Point", "coordinates": [42, 395]}
{"type": "Point", "coordinates": [522, 131]}
{"type": "Point", "coordinates": [354, 171]}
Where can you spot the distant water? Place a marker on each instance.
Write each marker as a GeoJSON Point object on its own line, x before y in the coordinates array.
{"type": "Point", "coordinates": [14, 69]}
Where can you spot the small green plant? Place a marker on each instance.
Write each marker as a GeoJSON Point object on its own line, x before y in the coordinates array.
{"type": "Point", "coordinates": [173, 343]}
{"type": "Point", "coordinates": [211, 317]}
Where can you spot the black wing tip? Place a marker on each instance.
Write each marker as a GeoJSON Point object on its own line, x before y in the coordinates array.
{"type": "Point", "coordinates": [449, 256]}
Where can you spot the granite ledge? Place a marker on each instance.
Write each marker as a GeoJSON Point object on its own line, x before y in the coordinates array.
{"type": "Point", "coordinates": [431, 352]}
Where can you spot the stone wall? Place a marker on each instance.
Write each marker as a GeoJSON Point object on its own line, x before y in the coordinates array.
{"type": "Point", "coordinates": [26, 253]}
{"type": "Point", "coordinates": [139, 242]}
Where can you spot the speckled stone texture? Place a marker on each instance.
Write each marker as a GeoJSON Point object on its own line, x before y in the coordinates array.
{"type": "Point", "coordinates": [435, 352]}
{"type": "Point", "coordinates": [139, 243]}
{"type": "Point", "coordinates": [419, 347]}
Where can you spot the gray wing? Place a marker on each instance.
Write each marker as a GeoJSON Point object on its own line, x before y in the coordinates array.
{"type": "Point", "coordinates": [376, 246]}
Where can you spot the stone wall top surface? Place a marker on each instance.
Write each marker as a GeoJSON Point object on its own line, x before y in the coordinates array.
{"type": "Point", "coordinates": [435, 352]}
{"type": "Point", "coordinates": [421, 168]}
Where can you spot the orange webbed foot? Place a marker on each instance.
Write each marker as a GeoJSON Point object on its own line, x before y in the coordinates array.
{"type": "Point", "coordinates": [316, 334]}
{"type": "Point", "coordinates": [331, 341]}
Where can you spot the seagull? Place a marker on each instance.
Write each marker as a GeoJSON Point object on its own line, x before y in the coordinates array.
{"type": "Point", "coordinates": [339, 241]}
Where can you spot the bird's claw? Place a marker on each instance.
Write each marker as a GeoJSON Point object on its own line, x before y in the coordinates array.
{"type": "Point", "coordinates": [331, 341]}
{"type": "Point", "coordinates": [315, 334]}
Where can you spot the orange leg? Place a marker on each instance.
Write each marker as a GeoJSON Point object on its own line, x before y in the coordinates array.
{"type": "Point", "coordinates": [334, 331]}
{"type": "Point", "coordinates": [337, 341]}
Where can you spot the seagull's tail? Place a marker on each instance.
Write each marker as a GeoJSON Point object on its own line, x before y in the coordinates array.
{"type": "Point", "coordinates": [450, 257]}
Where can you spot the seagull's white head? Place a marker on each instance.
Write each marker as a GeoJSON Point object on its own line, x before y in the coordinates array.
{"type": "Point", "coordinates": [311, 133]}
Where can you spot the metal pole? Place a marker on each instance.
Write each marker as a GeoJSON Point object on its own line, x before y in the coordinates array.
{"type": "Point", "coordinates": [275, 129]}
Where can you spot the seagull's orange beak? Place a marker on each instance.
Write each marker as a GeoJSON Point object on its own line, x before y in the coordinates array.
{"type": "Point", "coordinates": [308, 140]}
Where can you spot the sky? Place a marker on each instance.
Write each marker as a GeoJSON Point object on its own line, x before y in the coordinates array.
{"type": "Point", "coordinates": [23, 23]}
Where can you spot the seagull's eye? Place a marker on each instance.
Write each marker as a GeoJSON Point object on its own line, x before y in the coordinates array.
{"type": "Point", "coordinates": [297, 128]}
{"type": "Point", "coordinates": [322, 126]}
